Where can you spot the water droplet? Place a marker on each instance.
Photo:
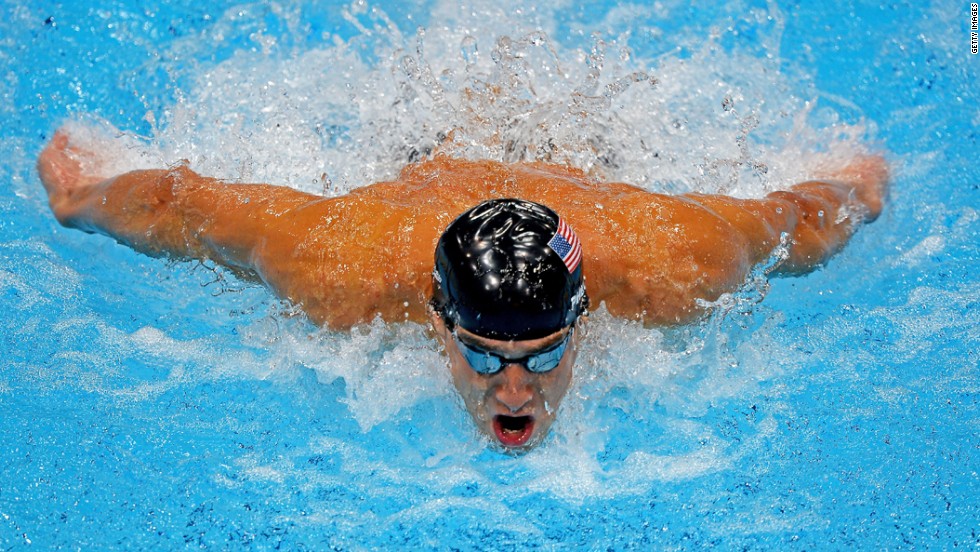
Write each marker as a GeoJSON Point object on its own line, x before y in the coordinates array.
{"type": "Point", "coordinates": [468, 49]}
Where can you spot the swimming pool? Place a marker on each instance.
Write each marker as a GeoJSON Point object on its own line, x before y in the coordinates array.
{"type": "Point", "coordinates": [149, 403]}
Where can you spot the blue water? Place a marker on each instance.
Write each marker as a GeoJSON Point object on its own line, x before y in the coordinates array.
{"type": "Point", "coordinates": [149, 403]}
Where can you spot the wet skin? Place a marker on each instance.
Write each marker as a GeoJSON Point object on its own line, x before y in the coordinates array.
{"type": "Point", "coordinates": [515, 407]}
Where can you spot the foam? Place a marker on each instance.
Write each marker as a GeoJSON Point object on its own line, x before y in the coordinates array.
{"type": "Point", "coordinates": [495, 82]}
{"type": "Point", "coordinates": [103, 150]}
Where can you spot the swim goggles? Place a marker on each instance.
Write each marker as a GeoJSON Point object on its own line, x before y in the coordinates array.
{"type": "Point", "coordinates": [486, 362]}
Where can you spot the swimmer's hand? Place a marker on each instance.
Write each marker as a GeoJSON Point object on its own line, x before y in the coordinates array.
{"type": "Point", "coordinates": [65, 170]}
{"type": "Point", "coordinates": [824, 213]}
{"type": "Point", "coordinates": [867, 176]}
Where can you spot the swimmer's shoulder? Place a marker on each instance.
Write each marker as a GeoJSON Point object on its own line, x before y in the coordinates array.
{"type": "Point", "coordinates": [486, 178]}
{"type": "Point", "coordinates": [442, 167]}
{"type": "Point", "coordinates": [452, 184]}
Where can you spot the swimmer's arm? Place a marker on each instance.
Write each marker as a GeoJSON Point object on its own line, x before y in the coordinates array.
{"type": "Point", "coordinates": [818, 217]}
{"type": "Point", "coordinates": [255, 229]}
{"type": "Point", "coordinates": [326, 255]}
{"type": "Point", "coordinates": [179, 213]}
{"type": "Point", "coordinates": [654, 257]}
{"type": "Point", "coordinates": [701, 246]}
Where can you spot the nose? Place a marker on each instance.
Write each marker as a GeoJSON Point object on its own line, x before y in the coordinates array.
{"type": "Point", "coordinates": [515, 391]}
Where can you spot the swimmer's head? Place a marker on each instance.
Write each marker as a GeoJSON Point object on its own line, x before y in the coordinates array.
{"type": "Point", "coordinates": [508, 290]}
{"type": "Point", "coordinates": [509, 269]}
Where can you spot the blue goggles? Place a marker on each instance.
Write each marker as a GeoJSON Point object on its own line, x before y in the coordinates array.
{"type": "Point", "coordinates": [488, 363]}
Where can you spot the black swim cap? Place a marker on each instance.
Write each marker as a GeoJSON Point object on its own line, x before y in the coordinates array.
{"type": "Point", "coordinates": [509, 269]}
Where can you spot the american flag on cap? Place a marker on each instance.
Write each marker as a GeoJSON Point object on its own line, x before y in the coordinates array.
{"type": "Point", "coordinates": [566, 244]}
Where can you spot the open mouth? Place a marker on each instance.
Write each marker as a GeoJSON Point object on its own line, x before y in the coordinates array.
{"type": "Point", "coordinates": [513, 431]}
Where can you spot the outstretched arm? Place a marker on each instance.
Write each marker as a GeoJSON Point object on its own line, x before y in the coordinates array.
{"type": "Point", "coordinates": [173, 212]}
{"type": "Point", "coordinates": [654, 256]}
{"type": "Point", "coordinates": [818, 216]}
{"type": "Point", "coordinates": [327, 255]}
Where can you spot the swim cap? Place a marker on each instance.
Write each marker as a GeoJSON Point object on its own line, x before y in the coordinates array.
{"type": "Point", "coordinates": [509, 269]}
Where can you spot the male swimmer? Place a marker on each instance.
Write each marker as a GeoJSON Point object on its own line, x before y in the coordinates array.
{"type": "Point", "coordinates": [508, 288]}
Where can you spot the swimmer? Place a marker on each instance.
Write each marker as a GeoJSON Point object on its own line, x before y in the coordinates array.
{"type": "Point", "coordinates": [506, 292]}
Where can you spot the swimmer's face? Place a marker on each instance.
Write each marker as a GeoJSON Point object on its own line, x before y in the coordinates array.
{"type": "Point", "coordinates": [515, 407]}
